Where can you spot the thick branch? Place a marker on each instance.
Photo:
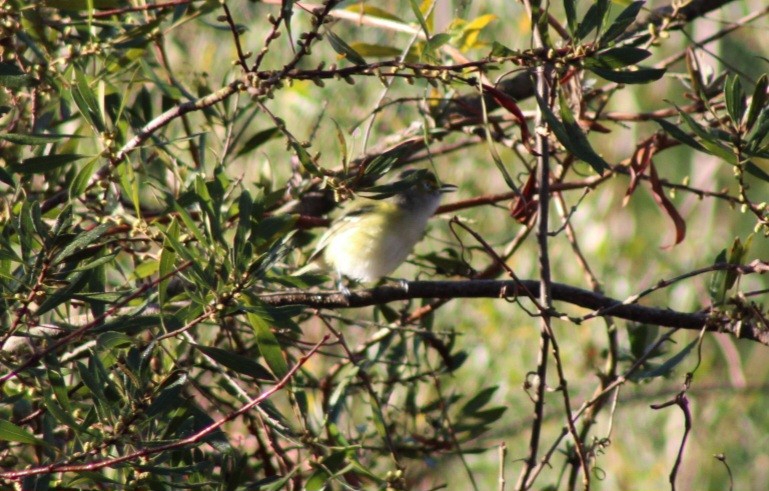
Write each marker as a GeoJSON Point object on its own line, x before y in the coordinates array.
{"type": "Point", "coordinates": [510, 289]}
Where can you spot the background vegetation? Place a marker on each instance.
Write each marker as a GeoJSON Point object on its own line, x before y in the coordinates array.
{"type": "Point", "coordinates": [167, 165]}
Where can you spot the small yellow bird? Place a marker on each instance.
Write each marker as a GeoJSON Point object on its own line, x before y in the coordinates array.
{"type": "Point", "coordinates": [375, 236]}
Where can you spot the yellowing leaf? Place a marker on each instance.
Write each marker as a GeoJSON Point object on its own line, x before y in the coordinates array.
{"type": "Point", "coordinates": [466, 33]}
{"type": "Point", "coordinates": [372, 11]}
{"type": "Point", "coordinates": [375, 50]}
{"type": "Point", "coordinates": [480, 22]}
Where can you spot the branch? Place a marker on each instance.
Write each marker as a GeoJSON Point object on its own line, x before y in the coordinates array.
{"type": "Point", "coordinates": [511, 289]}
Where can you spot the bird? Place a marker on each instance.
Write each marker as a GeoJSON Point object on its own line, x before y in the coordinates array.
{"type": "Point", "coordinates": [375, 236]}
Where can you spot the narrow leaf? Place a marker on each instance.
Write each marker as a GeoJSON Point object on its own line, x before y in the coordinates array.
{"type": "Point", "coordinates": [80, 183]}
{"type": "Point", "coordinates": [593, 19]}
{"type": "Point", "coordinates": [345, 49]}
{"type": "Point", "coordinates": [676, 132]}
{"type": "Point", "coordinates": [45, 163]}
{"type": "Point", "coordinates": [709, 141]}
{"type": "Point", "coordinates": [81, 241]}
{"type": "Point", "coordinates": [758, 102]}
{"type": "Point", "coordinates": [621, 23]}
{"type": "Point", "coordinates": [236, 362]}
{"type": "Point", "coordinates": [734, 97]}
{"type": "Point", "coordinates": [12, 77]}
{"type": "Point", "coordinates": [570, 7]}
{"type": "Point", "coordinates": [257, 140]}
{"type": "Point", "coordinates": [268, 344]}
{"type": "Point", "coordinates": [10, 432]}
{"type": "Point", "coordinates": [617, 57]}
{"type": "Point", "coordinates": [639, 76]}
{"type": "Point", "coordinates": [22, 139]}
{"type": "Point", "coordinates": [668, 365]}
{"type": "Point", "coordinates": [86, 101]}
{"type": "Point", "coordinates": [662, 200]}
{"type": "Point", "coordinates": [571, 136]}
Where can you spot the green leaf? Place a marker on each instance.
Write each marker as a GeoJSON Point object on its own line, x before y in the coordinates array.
{"type": "Point", "coordinates": [709, 141]}
{"type": "Point", "coordinates": [80, 183]}
{"type": "Point", "coordinates": [478, 401]}
{"type": "Point", "coordinates": [236, 362]}
{"type": "Point", "coordinates": [45, 163]}
{"type": "Point", "coordinates": [110, 340]}
{"type": "Point", "coordinates": [638, 76]}
{"type": "Point", "coordinates": [734, 96]}
{"type": "Point", "coordinates": [268, 344]}
{"type": "Point", "coordinates": [676, 132]}
{"type": "Point", "coordinates": [22, 139]}
{"type": "Point", "coordinates": [666, 367]}
{"type": "Point", "coordinates": [83, 4]}
{"type": "Point", "coordinates": [81, 241]}
{"type": "Point", "coordinates": [421, 18]}
{"type": "Point", "coordinates": [305, 159]}
{"type": "Point", "coordinates": [86, 101]}
{"type": "Point", "coordinates": [258, 140]}
{"type": "Point", "coordinates": [436, 42]}
{"type": "Point", "coordinates": [621, 23]}
{"type": "Point", "coordinates": [76, 283]}
{"type": "Point", "coordinates": [617, 57]}
{"type": "Point", "coordinates": [593, 19]}
{"type": "Point", "coordinates": [6, 177]}
{"type": "Point", "coordinates": [168, 398]}
{"type": "Point", "coordinates": [344, 49]}
{"type": "Point", "coordinates": [9, 432]}
{"type": "Point", "coordinates": [571, 136]}
{"type": "Point", "coordinates": [12, 77]}
{"type": "Point", "coordinates": [758, 131]}
{"type": "Point", "coordinates": [758, 102]}
{"type": "Point", "coordinates": [570, 7]}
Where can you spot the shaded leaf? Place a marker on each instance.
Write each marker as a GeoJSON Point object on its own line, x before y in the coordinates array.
{"type": "Point", "coordinates": [22, 139]}
{"type": "Point", "coordinates": [269, 346]}
{"type": "Point", "coordinates": [479, 400]}
{"type": "Point", "coordinates": [758, 102]}
{"type": "Point", "coordinates": [676, 132]}
{"type": "Point", "coordinates": [12, 77]}
{"type": "Point", "coordinates": [236, 362]}
{"type": "Point", "coordinates": [668, 366]}
{"type": "Point", "coordinates": [45, 163]}
{"type": "Point", "coordinates": [570, 7]}
{"type": "Point", "coordinates": [10, 432]}
{"type": "Point", "coordinates": [734, 97]}
{"type": "Point", "coordinates": [617, 57]}
{"type": "Point", "coordinates": [711, 143]}
{"type": "Point", "coordinates": [257, 140]}
{"type": "Point", "coordinates": [571, 136]}
{"type": "Point", "coordinates": [621, 23]}
{"type": "Point", "coordinates": [594, 18]}
{"type": "Point", "coordinates": [344, 49]}
{"type": "Point", "coordinates": [87, 103]}
{"type": "Point", "coordinates": [639, 76]}
{"type": "Point", "coordinates": [81, 241]}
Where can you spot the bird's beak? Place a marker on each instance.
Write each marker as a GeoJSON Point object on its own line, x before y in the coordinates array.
{"type": "Point", "coordinates": [448, 188]}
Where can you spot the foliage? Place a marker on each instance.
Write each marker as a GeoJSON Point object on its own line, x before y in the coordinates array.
{"type": "Point", "coordinates": [166, 164]}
